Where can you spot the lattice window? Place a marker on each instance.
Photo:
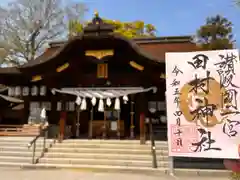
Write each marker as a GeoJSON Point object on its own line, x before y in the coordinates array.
{"type": "Point", "coordinates": [34, 105]}
{"type": "Point", "coordinates": [161, 106]}
{"type": "Point", "coordinates": [59, 106]}
{"type": "Point", "coordinates": [25, 91]}
{"type": "Point", "coordinates": [70, 106]}
{"type": "Point", "coordinates": [46, 105]}
{"type": "Point", "coordinates": [34, 91]}
{"type": "Point", "coordinates": [34, 109]}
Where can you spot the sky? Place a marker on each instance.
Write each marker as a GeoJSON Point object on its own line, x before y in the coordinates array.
{"type": "Point", "coordinates": [170, 17]}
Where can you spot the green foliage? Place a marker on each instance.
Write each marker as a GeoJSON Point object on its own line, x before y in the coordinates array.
{"type": "Point", "coordinates": [215, 34]}
{"type": "Point", "coordinates": [134, 29]}
{"type": "Point", "coordinates": [74, 27]}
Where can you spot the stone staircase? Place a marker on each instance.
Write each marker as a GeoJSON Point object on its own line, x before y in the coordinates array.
{"type": "Point", "coordinates": [14, 151]}
{"type": "Point", "coordinates": [93, 155]}
{"type": "Point", "coordinates": [115, 155]}
{"type": "Point", "coordinates": [124, 154]}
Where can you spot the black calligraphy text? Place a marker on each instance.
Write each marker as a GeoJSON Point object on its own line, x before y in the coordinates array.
{"type": "Point", "coordinates": [206, 141]}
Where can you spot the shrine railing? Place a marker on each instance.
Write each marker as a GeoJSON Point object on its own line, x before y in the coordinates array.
{"type": "Point", "coordinates": [153, 147]}
{"type": "Point", "coordinates": [43, 133]}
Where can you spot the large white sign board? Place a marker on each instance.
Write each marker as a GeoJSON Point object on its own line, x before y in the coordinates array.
{"type": "Point", "coordinates": [203, 104]}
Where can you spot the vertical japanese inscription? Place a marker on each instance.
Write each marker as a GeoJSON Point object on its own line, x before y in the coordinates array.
{"type": "Point", "coordinates": [229, 105]}
{"type": "Point", "coordinates": [178, 113]}
{"type": "Point", "coordinates": [203, 110]}
{"type": "Point", "coordinates": [226, 69]}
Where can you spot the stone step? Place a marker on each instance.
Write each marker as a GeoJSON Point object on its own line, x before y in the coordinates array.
{"type": "Point", "coordinates": [103, 156]}
{"type": "Point", "coordinates": [105, 150]}
{"type": "Point", "coordinates": [162, 152]}
{"type": "Point", "coordinates": [161, 147]}
{"type": "Point", "coordinates": [19, 148]}
{"type": "Point", "coordinates": [110, 146]}
{"type": "Point", "coordinates": [19, 154]}
{"type": "Point", "coordinates": [31, 127]}
{"type": "Point", "coordinates": [15, 159]}
{"type": "Point", "coordinates": [18, 139]}
{"type": "Point", "coordinates": [37, 132]}
{"type": "Point", "coordinates": [110, 141]}
{"type": "Point", "coordinates": [120, 169]}
{"type": "Point", "coordinates": [82, 155]}
{"type": "Point", "coordinates": [162, 158]}
{"type": "Point", "coordinates": [12, 139]}
{"type": "Point", "coordinates": [20, 144]}
{"type": "Point", "coordinates": [92, 161]}
{"type": "Point", "coordinates": [102, 168]}
{"type": "Point", "coordinates": [39, 142]}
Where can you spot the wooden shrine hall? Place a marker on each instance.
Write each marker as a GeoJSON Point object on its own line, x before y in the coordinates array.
{"type": "Point", "coordinates": [98, 84]}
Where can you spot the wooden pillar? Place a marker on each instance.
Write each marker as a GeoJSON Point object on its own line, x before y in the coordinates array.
{"type": "Point", "coordinates": [132, 114]}
{"type": "Point", "coordinates": [78, 111]}
{"type": "Point", "coordinates": [24, 119]}
{"type": "Point", "coordinates": [142, 128]}
{"type": "Point", "coordinates": [90, 133]}
{"type": "Point", "coordinates": [62, 121]}
{"type": "Point", "coordinates": [74, 127]}
{"type": "Point", "coordinates": [53, 112]}
{"type": "Point", "coordinates": [142, 108]}
{"type": "Point", "coordinates": [119, 124]}
{"type": "Point", "coordinates": [104, 135]}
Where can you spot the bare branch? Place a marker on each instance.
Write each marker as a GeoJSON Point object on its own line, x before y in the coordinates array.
{"type": "Point", "coordinates": [26, 25]}
{"type": "Point", "coordinates": [46, 38]}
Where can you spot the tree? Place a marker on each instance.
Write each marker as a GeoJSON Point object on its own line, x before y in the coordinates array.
{"type": "Point", "coordinates": [27, 25]}
{"type": "Point", "coordinates": [215, 34]}
{"type": "Point", "coordinates": [237, 2]}
{"type": "Point", "coordinates": [128, 29]}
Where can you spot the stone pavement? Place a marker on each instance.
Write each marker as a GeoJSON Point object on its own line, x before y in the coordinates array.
{"type": "Point", "coordinates": [16, 174]}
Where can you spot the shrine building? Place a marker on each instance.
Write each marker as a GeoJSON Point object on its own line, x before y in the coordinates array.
{"type": "Point", "coordinates": [96, 85]}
